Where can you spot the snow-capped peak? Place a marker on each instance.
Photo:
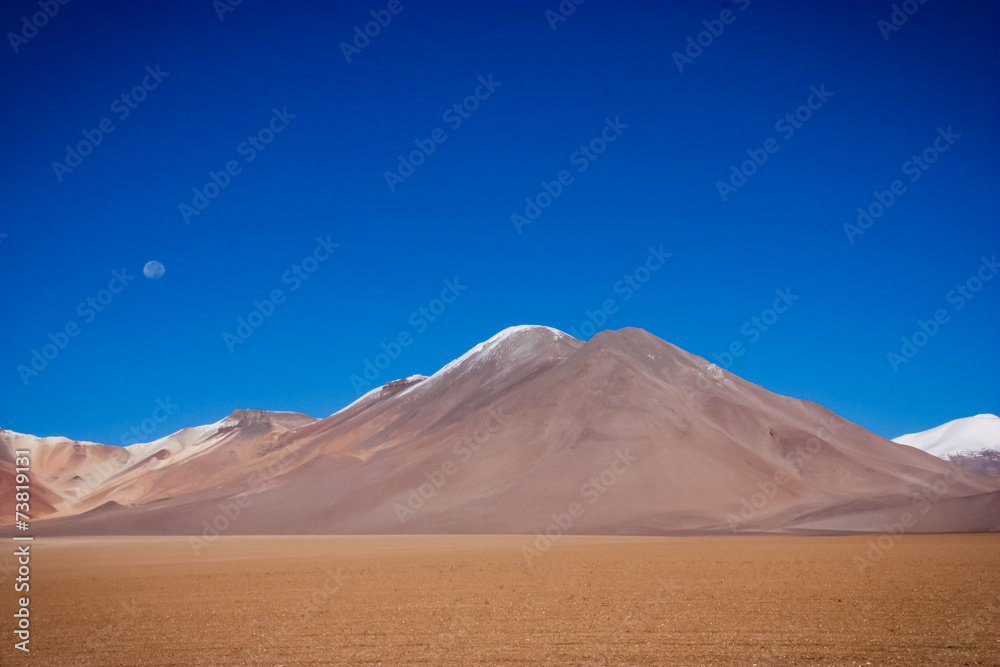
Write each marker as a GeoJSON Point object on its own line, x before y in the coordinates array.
{"type": "Point", "coordinates": [493, 342]}
{"type": "Point", "coordinates": [968, 434]}
{"type": "Point", "coordinates": [479, 351]}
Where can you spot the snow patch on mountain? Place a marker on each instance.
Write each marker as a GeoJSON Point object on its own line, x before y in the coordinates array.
{"type": "Point", "coordinates": [482, 350]}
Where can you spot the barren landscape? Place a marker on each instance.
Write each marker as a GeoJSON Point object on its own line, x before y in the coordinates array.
{"type": "Point", "coordinates": [640, 436]}
{"type": "Point", "coordinates": [473, 600]}
{"type": "Point", "coordinates": [500, 333]}
{"type": "Point", "coordinates": [538, 501]}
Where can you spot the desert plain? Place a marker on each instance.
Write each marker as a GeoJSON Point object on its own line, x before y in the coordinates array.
{"type": "Point", "coordinates": [475, 600]}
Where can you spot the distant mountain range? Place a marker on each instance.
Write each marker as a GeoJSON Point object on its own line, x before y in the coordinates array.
{"type": "Point", "coordinates": [529, 431]}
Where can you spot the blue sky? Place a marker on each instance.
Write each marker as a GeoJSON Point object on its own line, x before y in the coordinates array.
{"type": "Point", "coordinates": [213, 87]}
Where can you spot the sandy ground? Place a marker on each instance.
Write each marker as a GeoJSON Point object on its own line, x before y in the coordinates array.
{"type": "Point", "coordinates": [456, 600]}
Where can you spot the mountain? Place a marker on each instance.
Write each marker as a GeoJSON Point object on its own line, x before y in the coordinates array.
{"type": "Point", "coordinates": [968, 434]}
{"type": "Point", "coordinates": [71, 477]}
{"type": "Point", "coordinates": [531, 430]}
{"type": "Point", "coordinates": [971, 443]}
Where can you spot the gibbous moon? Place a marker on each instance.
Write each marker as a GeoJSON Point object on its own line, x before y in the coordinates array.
{"type": "Point", "coordinates": [153, 270]}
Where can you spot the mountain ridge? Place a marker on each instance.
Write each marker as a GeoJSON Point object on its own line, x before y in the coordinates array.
{"type": "Point", "coordinates": [509, 433]}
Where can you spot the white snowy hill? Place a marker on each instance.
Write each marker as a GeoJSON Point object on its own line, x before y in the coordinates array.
{"type": "Point", "coordinates": [969, 434]}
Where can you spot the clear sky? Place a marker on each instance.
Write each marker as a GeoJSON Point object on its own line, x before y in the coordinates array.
{"type": "Point", "coordinates": [641, 138]}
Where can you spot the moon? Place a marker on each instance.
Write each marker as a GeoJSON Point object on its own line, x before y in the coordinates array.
{"type": "Point", "coordinates": [153, 270]}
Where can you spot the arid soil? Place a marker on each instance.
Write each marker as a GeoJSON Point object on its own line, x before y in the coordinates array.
{"type": "Point", "coordinates": [461, 600]}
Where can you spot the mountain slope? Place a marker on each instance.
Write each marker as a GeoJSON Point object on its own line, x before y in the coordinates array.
{"type": "Point", "coordinates": [73, 477]}
{"type": "Point", "coordinates": [534, 430]}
